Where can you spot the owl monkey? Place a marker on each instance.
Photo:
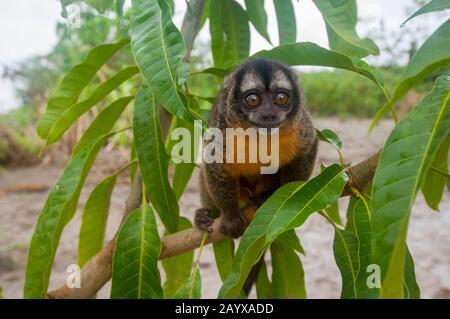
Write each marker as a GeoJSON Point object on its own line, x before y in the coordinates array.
{"type": "Point", "coordinates": [258, 93]}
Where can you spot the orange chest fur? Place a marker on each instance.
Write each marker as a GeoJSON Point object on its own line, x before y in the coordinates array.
{"type": "Point", "coordinates": [288, 147]}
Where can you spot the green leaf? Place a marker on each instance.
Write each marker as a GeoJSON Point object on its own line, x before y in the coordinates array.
{"type": "Point", "coordinates": [181, 176]}
{"type": "Point", "coordinates": [400, 174]}
{"type": "Point", "coordinates": [104, 122]}
{"type": "Point", "coordinates": [353, 253]}
{"type": "Point", "coordinates": [178, 268]}
{"type": "Point", "coordinates": [287, 27]}
{"type": "Point", "coordinates": [58, 210]}
{"type": "Point", "coordinates": [431, 56]}
{"type": "Point", "coordinates": [73, 112]}
{"type": "Point", "coordinates": [433, 5]}
{"type": "Point", "coordinates": [341, 22]}
{"type": "Point", "coordinates": [412, 290]}
{"type": "Point", "coordinates": [291, 240]}
{"type": "Point", "coordinates": [264, 289]}
{"type": "Point", "coordinates": [135, 273]}
{"type": "Point", "coordinates": [330, 137]}
{"type": "Point", "coordinates": [307, 53]}
{"type": "Point", "coordinates": [158, 49]}
{"type": "Point", "coordinates": [333, 213]}
{"type": "Point", "coordinates": [95, 214]}
{"type": "Point", "coordinates": [287, 208]}
{"type": "Point", "coordinates": [224, 253]}
{"type": "Point", "coordinates": [288, 277]}
{"type": "Point", "coordinates": [257, 15]}
{"type": "Point", "coordinates": [434, 185]}
{"type": "Point", "coordinates": [192, 289]}
{"type": "Point", "coordinates": [220, 72]}
{"type": "Point", "coordinates": [73, 82]}
{"type": "Point", "coordinates": [230, 33]}
{"type": "Point", "coordinates": [153, 158]}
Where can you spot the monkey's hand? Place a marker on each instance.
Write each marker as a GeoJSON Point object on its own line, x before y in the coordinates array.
{"type": "Point", "coordinates": [233, 225]}
{"type": "Point", "coordinates": [202, 220]}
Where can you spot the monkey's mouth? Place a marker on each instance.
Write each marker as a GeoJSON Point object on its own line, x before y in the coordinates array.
{"type": "Point", "coordinates": [266, 124]}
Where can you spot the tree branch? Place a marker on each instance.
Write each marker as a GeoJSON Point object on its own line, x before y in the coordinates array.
{"type": "Point", "coordinates": [97, 271]}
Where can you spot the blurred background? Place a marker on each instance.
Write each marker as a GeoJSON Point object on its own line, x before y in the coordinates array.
{"type": "Point", "coordinates": [38, 46]}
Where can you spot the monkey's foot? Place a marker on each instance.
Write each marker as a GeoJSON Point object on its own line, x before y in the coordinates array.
{"type": "Point", "coordinates": [234, 226]}
{"type": "Point", "coordinates": [202, 220]}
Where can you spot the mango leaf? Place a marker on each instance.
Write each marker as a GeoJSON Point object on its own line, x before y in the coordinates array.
{"type": "Point", "coordinates": [153, 158]}
{"type": "Point", "coordinates": [400, 174]}
{"type": "Point", "coordinates": [220, 72]}
{"type": "Point", "coordinates": [307, 53]}
{"type": "Point", "coordinates": [72, 113]}
{"type": "Point", "coordinates": [181, 176]}
{"type": "Point", "coordinates": [287, 27]}
{"type": "Point", "coordinates": [412, 290]}
{"type": "Point", "coordinates": [135, 273]}
{"type": "Point", "coordinates": [104, 122]}
{"type": "Point", "coordinates": [230, 33]}
{"type": "Point", "coordinates": [192, 289]}
{"type": "Point", "coordinates": [340, 22]}
{"type": "Point", "coordinates": [431, 56]}
{"type": "Point", "coordinates": [224, 253]}
{"type": "Point", "coordinates": [178, 268]}
{"type": "Point", "coordinates": [435, 180]}
{"type": "Point", "coordinates": [158, 49]}
{"type": "Point", "coordinates": [58, 210]}
{"type": "Point", "coordinates": [287, 208]}
{"type": "Point", "coordinates": [333, 213]}
{"type": "Point", "coordinates": [291, 240]}
{"type": "Point", "coordinates": [93, 224]}
{"type": "Point", "coordinates": [73, 82]}
{"type": "Point", "coordinates": [433, 5]}
{"type": "Point", "coordinates": [264, 289]}
{"type": "Point", "coordinates": [330, 137]}
{"type": "Point", "coordinates": [353, 253]}
{"type": "Point", "coordinates": [288, 277]}
{"type": "Point", "coordinates": [257, 15]}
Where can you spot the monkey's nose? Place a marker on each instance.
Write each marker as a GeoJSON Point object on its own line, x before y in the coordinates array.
{"type": "Point", "coordinates": [268, 117]}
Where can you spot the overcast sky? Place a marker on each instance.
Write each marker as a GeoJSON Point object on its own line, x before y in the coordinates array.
{"type": "Point", "coordinates": [27, 28]}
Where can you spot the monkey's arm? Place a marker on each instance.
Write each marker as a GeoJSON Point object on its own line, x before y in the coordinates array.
{"type": "Point", "coordinates": [223, 190]}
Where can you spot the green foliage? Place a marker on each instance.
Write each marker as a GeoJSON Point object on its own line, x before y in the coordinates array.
{"type": "Point", "coordinates": [153, 158]}
{"type": "Point", "coordinates": [400, 174]}
{"type": "Point", "coordinates": [287, 27]}
{"type": "Point", "coordinates": [192, 288]}
{"type": "Point", "coordinates": [230, 33]}
{"type": "Point", "coordinates": [135, 273]}
{"type": "Point", "coordinates": [340, 20]}
{"type": "Point", "coordinates": [344, 94]}
{"type": "Point", "coordinates": [288, 277]}
{"type": "Point", "coordinates": [177, 268]}
{"type": "Point", "coordinates": [74, 82]}
{"type": "Point", "coordinates": [431, 56]}
{"type": "Point", "coordinates": [159, 49]}
{"type": "Point", "coordinates": [95, 214]}
{"type": "Point", "coordinates": [433, 5]}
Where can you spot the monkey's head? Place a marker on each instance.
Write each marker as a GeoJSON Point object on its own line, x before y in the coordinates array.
{"type": "Point", "coordinates": [262, 94]}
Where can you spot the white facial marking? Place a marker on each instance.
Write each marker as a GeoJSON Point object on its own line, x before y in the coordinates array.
{"type": "Point", "coordinates": [280, 80]}
{"type": "Point", "coordinates": [250, 81]}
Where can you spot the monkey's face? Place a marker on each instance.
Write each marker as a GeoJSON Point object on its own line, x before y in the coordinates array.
{"type": "Point", "coordinates": [266, 94]}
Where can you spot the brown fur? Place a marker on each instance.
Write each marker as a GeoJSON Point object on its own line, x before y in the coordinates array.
{"type": "Point", "coordinates": [223, 185]}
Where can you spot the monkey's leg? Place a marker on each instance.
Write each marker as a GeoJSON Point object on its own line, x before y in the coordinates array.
{"type": "Point", "coordinates": [223, 190]}
{"type": "Point", "coordinates": [203, 219]}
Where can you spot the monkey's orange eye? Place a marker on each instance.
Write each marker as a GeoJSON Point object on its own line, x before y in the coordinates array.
{"type": "Point", "coordinates": [281, 99]}
{"type": "Point", "coordinates": [252, 100]}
